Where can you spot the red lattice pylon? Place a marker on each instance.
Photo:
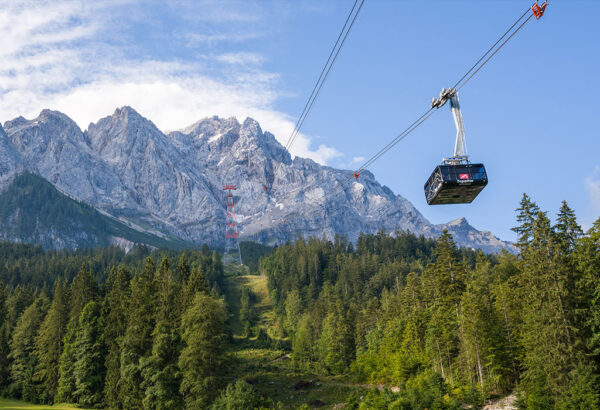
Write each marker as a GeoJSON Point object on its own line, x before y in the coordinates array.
{"type": "Point", "coordinates": [231, 230]}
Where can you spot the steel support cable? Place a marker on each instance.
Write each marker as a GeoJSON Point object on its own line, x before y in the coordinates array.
{"type": "Point", "coordinates": [396, 140]}
{"type": "Point", "coordinates": [287, 145]}
{"type": "Point", "coordinates": [492, 47]}
{"type": "Point", "coordinates": [459, 84]}
{"type": "Point", "coordinates": [327, 73]}
{"type": "Point", "coordinates": [335, 51]}
{"type": "Point", "coordinates": [430, 112]}
{"type": "Point", "coordinates": [494, 53]}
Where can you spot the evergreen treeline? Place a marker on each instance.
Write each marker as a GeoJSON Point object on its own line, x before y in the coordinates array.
{"type": "Point", "coordinates": [252, 252]}
{"type": "Point", "coordinates": [446, 327]}
{"type": "Point", "coordinates": [153, 335]}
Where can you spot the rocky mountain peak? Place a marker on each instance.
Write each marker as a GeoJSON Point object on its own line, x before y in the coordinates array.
{"type": "Point", "coordinates": [127, 113]}
{"type": "Point", "coordinates": [251, 127]}
{"type": "Point", "coordinates": [10, 159]}
{"type": "Point", "coordinates": [16, 122]}
{"type": "Point", "coordinates": [125, 166]}
{"type": "Point", "coordinates": [458, 223]}
{"type": "Point", "coordinates": [50, 131]}
{"type": "Point", "coordinates": [211, 126]}
{"type": "Point", "coordinates": [123, 132]}
{"type": "Point", "coordinates": [50, 119]}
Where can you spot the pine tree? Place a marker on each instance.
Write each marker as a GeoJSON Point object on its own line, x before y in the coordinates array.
{"type": "Point", "coordinates": [183, 269]}
{"type": "Point", "coordinates": [587, 260]}
{"type": "Point", "coordinates": [117, 302]}
{"type": "Point", "coordinates": [203, 356]}
{"type": "Point", "coordinates": [293, 311]}
{"type": "Point", "coordinates": [567, 230]}
{"type": "Point", "coordinates": [336, 344]}
{"type": "Point", "coordinates": [83, 290]}
{"type": "Point", "coordinates": [247, 313]}
{"type": "Point", "coordinates": [443, 284]}
{"type": "Point", "coordinates": [548, 335]}
{"type": "Point", "coordinates": [525, 218]}
{"type": "Point", "coordinates": [21, 298]}
{"type": "Point", "coordinates": [483, 346]}
{"type": "Point", "coordinates": [159, 371]}
{"type": "Point", "coordinates": [49, 341]}
{"type": "Point", "coordinates": [137, 342]}
{"type": "Point", "coordinates": [89, 349]}
{"type": "Point", "coordinates": [4, 340]}
{"type": "Point", "coordinates": [22, 350]}
{"type": "Point", "coordinates": [195, 283]}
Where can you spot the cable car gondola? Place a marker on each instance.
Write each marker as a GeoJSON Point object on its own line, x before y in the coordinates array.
{"type": "Point", "coordinates": [456, 180]}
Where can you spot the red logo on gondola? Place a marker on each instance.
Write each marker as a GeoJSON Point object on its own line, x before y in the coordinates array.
{"type": "Point", "coordinates": [463, 176]}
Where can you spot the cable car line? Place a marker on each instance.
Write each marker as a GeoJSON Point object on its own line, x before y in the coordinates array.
{"type": "Point", "coordinates": [446, 95]}
{"type": "Point", "coordinates": [333, 55]}
{"type": "Point", "coordinates": [494, 53]}
{"type": "Point", "coordinates": [396, 140]}
{"type": "Point", "coordinates": [459, 84]}
{"type": "Point", "coordinates": [491, 48]}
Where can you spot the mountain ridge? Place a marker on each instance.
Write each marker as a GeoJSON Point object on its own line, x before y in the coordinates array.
{"type": "Point", "coordinates": [125, 166]}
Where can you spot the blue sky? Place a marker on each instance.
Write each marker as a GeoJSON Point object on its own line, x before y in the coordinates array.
{"type": "Point", "coordinates": [530, 114]}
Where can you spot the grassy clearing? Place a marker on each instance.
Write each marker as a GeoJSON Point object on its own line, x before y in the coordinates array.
{"type": "Point", "coordinates": [272, 374]}
{"type": "Point", "coordinates": [6, 404]}
{"type": "Point", "coordinates": [234, 282]}
{"type": "Point", "coordinates": [271, 371]}
{"type": "Point", "coordinates": [263, 306]}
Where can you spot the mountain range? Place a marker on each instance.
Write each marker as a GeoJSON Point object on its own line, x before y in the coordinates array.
{"type": "Point", "coordinates": [171, 185]}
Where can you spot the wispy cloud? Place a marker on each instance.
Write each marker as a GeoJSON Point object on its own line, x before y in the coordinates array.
{"type": "Point", "coordinates": [71, 56]}
{"type": "Point", "coordinates": [195, 39]}
{"type": "Point", "coordinates": [593, 186]}
{"type": "Point", "coordinates": [240, 58]}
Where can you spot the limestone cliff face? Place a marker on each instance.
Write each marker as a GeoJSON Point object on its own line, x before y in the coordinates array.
{"type": "Point", "coordinates": [126, 167]}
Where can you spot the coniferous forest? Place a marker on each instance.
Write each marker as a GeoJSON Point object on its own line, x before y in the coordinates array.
{"type": "Point", "coordinates": [431, 325]}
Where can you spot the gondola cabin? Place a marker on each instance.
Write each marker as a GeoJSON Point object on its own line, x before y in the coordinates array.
{"type": "Point", "coordinates": [455, 183]}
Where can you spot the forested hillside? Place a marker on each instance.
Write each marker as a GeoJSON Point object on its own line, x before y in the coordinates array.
{"type": "Point", "coordinates": [33, 211]}
{"type": "Point", "coordinates": [445, 327]}
{"type": "Point", "coordinates": [432, 326]}
{"type": "Point", "coordinates": [153, 334]}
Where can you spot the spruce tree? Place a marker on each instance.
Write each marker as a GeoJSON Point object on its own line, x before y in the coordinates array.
{"type": "Point", "coordinates": [567, 230]}
{"type": "Point", "coordinates": [21, 298]}
{"type": "Point", "coordinates": [203, 356]}
{"type": "Point", "coordinates": [183, 271]}
{"type": "Point", "coordinates": [443, 285]}
{"type": "Point", "coordinates": [117, 302]}
{"type": "Point", "coordinates": [22, 351]}
{"type": "Point", "coordinates": [49, 341]}
{"type": "Point", "coordinates": [194, 283]}
{"type": "Point", "coordinates": [548, 335]}
{"type": "Point", "coordinates": [137, 342]}
{"type": "Point", "coordinates": [526, 216]}
{"type": "Point", "coordinates": [247, 313]}
{"type": "Point", "coordinates": [83, 290]}
{"type": "Point", "coordinates": [89, 349]}
{"type": "Point", "coordinates": [587, 260]}
{"type": "Point", "coordinates": [4, 340]}
{"type": "Point", "coordinates": [159, 371]}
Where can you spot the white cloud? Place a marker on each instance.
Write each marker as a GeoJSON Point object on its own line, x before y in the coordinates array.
{"type": "Point", "coordinates": [195, 39]}
{"type": "Point", "coordinates": [240, 58]}
{"type": "Point", "coordinates": [55, 58]}
{"type": "Point", "coordinates": [593, 186]}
